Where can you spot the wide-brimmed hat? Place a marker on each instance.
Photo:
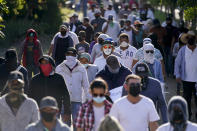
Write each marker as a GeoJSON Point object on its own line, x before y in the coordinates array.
{"type": "Point", "coordinates": [184, 36]}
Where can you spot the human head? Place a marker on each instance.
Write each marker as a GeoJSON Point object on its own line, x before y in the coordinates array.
{"type": "Point", "coordinates": [148, 51]}
{"type": "Point", "coordinates": [82, 35]}
{"type": "Point", "coordinates": [113, 64]}
{"type": "Point", "coordinates": [124, 40]}
{"type": "Point", "coordinates": [46, 65]}
{"type": "Point", "coordinates": [110, 6]}
{"type": "Point", "coordinates": [31, 35]}
{"type": "Point", "coordinates": [110, 18]}
{"type": "Point", "coordinates": [146, 41]}
{"type": "Point", "coordinates": [101, 38]}
{"type": "Point", "coordinates": [98, 89]}
{"type": "Point", "coordinates": [156, 23]}
{"type": "Point", "coordinates": [133, 85]}
{"type": "Point", "coordinates": [75, 17]}
{"type": "Point", "coordinates": [63, 29]}
{"type": "Point", "coordinates": [128, 23]}
{"type": "Point", "coordinates": [11, 59]}
{"type": "Point", "coordinates": [177, 112]}
{"type": "Point", "coordinates": [84, 58]}
{"type": "Point", "coordinates": [188, 38]}
{"type": "Point", "coordinates": [107, 47]}
{"type": "Point", "coordinates": [48, 109]}
{"type": "Point", "coordinates": [122, 23]}
{"type": "Point", "coordinates": [169, 20]}
{"type": "Point", "coordinates": [110, 123]}
{"type": "Point", "coordinates": [96, 36]}
{"type": "Point", "coordinates": [15, 82]}
{"type": "Point", "coordinates": [138, 24]}
{"type": "Point", "coordinates": [97, 13]}
{"type": "Point", "coordinates": [86, 21]}
{"type": "Point", "coordinates": [126, 6]}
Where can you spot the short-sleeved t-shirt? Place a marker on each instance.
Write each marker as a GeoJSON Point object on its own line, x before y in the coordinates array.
{"type": "Point", "coordinates": [127, 56]}
{"type": "Point", "coordinates": [140, 55]}
{"type": "Point", "coordinates": [82, 48]}
{"type": "Point", "coordinates": [134, 117]}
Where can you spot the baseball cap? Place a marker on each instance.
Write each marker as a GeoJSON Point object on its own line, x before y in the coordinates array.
{"type": "Point", "coordinates": [97, 11]}
{"type": "Point", "coordinates": [146, 41]}
{"type": "Point", "coordinates": [71, 50]}
{"type": "Point", "coordinates": [103, 36]}
{"type": "Point", "coordinates": [142, 69]}
{"type": "Point", "coordinates": [48, 101]}
{"type": "Point", "coordinates": [112, 61]}
{"type": "Point", "coordinates": [16, 75]}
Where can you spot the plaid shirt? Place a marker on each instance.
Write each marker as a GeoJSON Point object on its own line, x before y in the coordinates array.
{"type": "Point", "coordinates": [85, 117]}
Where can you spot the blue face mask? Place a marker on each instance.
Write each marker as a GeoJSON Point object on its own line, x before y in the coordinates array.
{"type": "Point", "coordinates": [99, 99]}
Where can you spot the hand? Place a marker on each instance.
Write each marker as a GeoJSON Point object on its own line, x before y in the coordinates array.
{"type": "Point", "coordinates": [178, 80]}
{"type": "Point", "coordinates": [66, 118]}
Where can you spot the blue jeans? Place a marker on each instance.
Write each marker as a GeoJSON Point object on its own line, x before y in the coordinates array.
{"type": "Point", "coordinates": [74, 110]}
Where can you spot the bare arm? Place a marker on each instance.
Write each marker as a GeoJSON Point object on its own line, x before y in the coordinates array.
{"type": "Point", "coordinates": [163, 69]}
{"type": "Point", "coordinates": [134, 62]}
{"type": "Point", "coordinates": [105, 27]}
{"type": "Point", "coordinates": [153, 126]}
{"type": "Point", "coordinates": [50, 50]}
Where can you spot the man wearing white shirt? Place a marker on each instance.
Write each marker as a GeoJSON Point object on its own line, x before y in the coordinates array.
{"type": "Point", "coordinates": [91, 12]}
{"type": "Point", "coordinates": [126, 51]}
{"type": "Point", "coordinates": [135, 112]}
{"type": "Point", "coordinates": [111, 28]}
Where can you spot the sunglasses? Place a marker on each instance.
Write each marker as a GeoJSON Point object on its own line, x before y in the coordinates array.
{"type": "Point", "coordinates": [150, 51]}
{"type": "Point", "coordinates": [101, 95]}
{"type": "Point", "coordinates": [107, 46]}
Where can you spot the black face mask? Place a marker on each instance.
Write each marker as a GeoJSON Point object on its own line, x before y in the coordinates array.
{"type": "Point", "coordinates": [97, 16]}
{"type": "Point", "coordinates": [46, 116]}
{"type": "Point", "coordinates": [134, 89]}
{"type": "Point", "coordinates": [63, 33]}
{"type": "Point", "coordinates": [178, 116]}
{"type": "Point", "coordinates": [191, 41]}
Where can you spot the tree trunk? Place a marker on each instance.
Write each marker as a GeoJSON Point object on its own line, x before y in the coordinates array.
{"type": "Point", "coordinates": [181, 14]}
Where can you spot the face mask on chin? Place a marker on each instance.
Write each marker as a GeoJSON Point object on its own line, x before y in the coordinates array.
{"type": "Point", "coordinates": [107, 51]}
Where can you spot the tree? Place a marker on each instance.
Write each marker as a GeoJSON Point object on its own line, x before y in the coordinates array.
{"type": "Point", "coordinates": [3, 9]}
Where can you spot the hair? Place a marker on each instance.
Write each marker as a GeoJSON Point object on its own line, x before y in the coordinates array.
{"type": "Point", "coordinates": [110, 123]}
{"type": "Point", "coordinates": [97, 34]}
{"type": "Point", "coordinates": [86, 19]}
{"type": "Point", "coordinates": [98, 83]}
{"type": "Point", "coordinates": [82, 33]}
{"type": "Point", "coordinates": [132, 76]}
{"type": "Point", "coordinates": [124, 35]}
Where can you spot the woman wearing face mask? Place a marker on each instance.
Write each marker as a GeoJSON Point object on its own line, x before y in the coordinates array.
{"type": "Point", "coordinates": [76, 79]}
{"type": "Point", "coordinates": [97, 108]}
{"type": "Point", "coordinates": [126, 51]}
{"type": "Point", "coordinates": [91, 69]}
{"type": "Point", "coordinates": [153, 64]}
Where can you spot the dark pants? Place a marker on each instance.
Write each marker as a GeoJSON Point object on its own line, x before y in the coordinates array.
{"type": "Point", "coordinates": [189, 90]}
{"type": "Point", "coordinates": [168, 61]}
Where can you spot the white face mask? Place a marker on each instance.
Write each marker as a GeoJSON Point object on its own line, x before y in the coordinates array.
{"type": "Point", "coordinates": [71, 61]}
{"type": "Point", "coordinates": [149, 57]}
{"type": "Point", "coordinates": [124, 44]}
{"type": "Point", "coordinates": [107, 51]}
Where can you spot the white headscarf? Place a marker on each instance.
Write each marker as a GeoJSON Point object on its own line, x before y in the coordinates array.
{"type": "Point", "coordinates": [148, 57]}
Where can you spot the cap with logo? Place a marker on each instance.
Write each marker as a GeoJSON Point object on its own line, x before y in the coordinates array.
{"type": "Point", "coordinates": [142, 69]}
{"type": "Point", "coordinates": [48, 101]}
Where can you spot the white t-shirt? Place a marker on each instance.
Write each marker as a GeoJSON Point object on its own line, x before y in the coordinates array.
{"type": "Point", "coordinates": [90, 15]}
{"type": "Point", "coordinates": [127, 55]}
{"type": "Point", "coordinates": [113, 30]}
{"type": "Point", "coordinates": [167, 127]}
{"type": "Point", "coordinates": [98, 116]}
{"type": "Point", "coordinates": [70, 33]}
{"type": "Point", "coordinates": [130, 34]}
{"type": "Point", "coordinates": [191, 65]}
{"type": "Point", "coordinates": [134, 117]}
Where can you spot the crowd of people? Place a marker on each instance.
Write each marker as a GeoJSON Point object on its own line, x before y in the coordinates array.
{"type": "Point", "coordinates": [104, 73]}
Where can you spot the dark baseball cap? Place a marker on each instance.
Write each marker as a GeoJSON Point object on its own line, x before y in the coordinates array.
{"type": "Point", "coordinates": [10, 54]}
{"type": "Point", "coordinates": [142, 69]}
{"type": "Point", "coordinates": [113, 62]}
{"type": "Point", "coordinates": [71, 50]}
{"type": "Point", "coordinates": [16, 75]}
{"type": "Point", "coordinates": [48, 101]}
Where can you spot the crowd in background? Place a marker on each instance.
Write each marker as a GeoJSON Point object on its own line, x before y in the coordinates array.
{"type": "Point", "coordinates": [128, 52]}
